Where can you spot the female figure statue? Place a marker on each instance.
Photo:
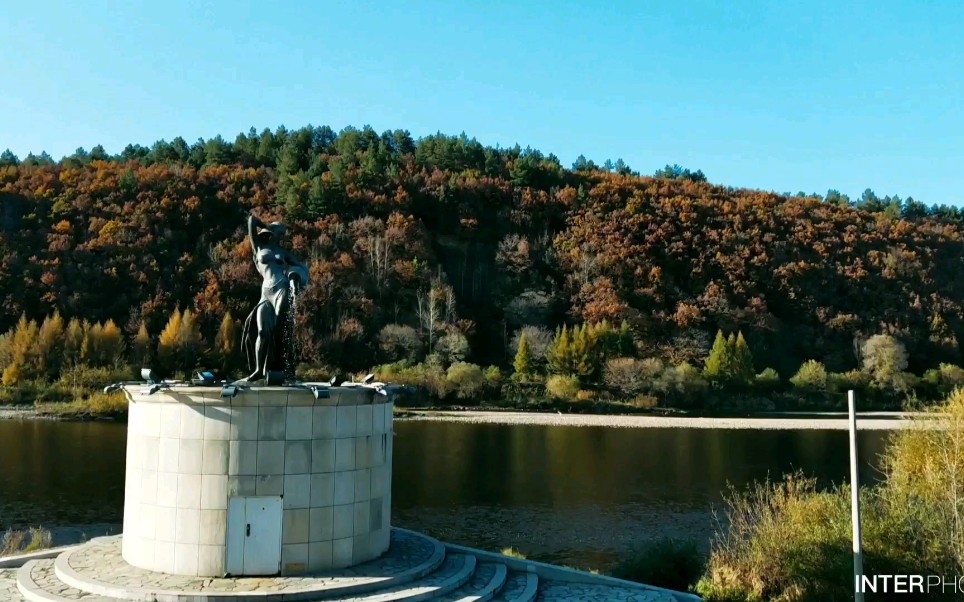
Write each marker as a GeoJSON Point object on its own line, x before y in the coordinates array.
{"type": "Point", "coordinates": [264, 340]}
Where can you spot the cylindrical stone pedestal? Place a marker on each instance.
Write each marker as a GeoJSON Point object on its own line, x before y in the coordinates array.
{"type": "Point", "coordinates": [271, 481]}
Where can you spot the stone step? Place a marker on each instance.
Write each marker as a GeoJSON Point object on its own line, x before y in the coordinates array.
{"type": "Point", "coordinates": [37, 582]}
{"type": "Point", "coordinates": [98, 567]}
{"type": "Point", "coordinates": [454, 572]}
{"type": "Point", "coordinates": [562, 591]}
{"type": "Point", "coordinates": [8, 585]}
{"type": "Point", "coordinates": [519, 587]}
{"type": "Point", "coordinates": [488, 579]}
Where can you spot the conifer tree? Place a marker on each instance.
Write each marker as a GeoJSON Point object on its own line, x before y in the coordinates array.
{"type": "Point", "coordinates": [73, 343]}
{"type": "Point", "coordinates": [23, 353]}
{"type": "Point", "coordinates": [141, 346]}
{"type": "Point", "coordinates": [189, 342]}
{"type": "Point", "coordinates": [226, 342]}
{"type": "Point", "coordinates": [50, 345]}
{"type": "Point", "coordinates": [559, 352]}
{"type": "Point", "coordinates": [167, 342]}
{"type": "Point", "coordinates": [523, 362]}
{"type": "Point", "coordinates": [627, 343]}
{"type": "Point", "coordinates": [93, 351]}
{"type": "Point", "coordinates": [88, 342]}
{"type": "Point", "coordinates": [111, 345]}
{"type": "Point", "coordinates": [584, 359]}
{"type": "Point", "coordinates": [743, 361]}
{"type": "Point", "coordinates": [718, 364]}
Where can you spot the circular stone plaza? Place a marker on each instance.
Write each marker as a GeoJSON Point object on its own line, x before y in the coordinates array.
{"type": "Point", "coordinates": [238, 494]}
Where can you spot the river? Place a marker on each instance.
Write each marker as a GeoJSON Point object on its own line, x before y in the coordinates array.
{"type": "Point", "coordinates": [571, 495]}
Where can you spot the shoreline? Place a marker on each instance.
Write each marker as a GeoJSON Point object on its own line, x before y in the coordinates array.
{"type": "Point", "coordinates": [866, 421]}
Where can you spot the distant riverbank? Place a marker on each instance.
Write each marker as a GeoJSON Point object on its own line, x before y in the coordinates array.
{"type": "Point", "coordinates": [770, 421]}
{"type": "Point", "coordinates": [796, 421]}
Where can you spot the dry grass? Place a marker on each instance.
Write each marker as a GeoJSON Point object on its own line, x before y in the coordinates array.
{"type": "Point", "coordinates": [21, 541]}
{"type": "Point", "coordinates": [96, 404]}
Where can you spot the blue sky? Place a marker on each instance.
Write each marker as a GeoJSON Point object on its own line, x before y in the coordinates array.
{"type": "Point", "coordinates": [777, 95]}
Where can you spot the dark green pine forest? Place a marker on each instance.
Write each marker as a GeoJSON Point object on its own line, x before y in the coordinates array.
{"type": "Point", "coordinates": [442, 256]}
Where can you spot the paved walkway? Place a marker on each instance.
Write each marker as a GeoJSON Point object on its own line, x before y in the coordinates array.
{"type": "Point", "coordinates": [8, 585]}
{"type": "Point", "coordinates": [416, 567]}
{"type": "Point", "coordinates": [101, 562]}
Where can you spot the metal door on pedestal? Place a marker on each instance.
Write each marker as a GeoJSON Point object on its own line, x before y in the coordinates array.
{"type": "Point", "coordinates": [254, 536]}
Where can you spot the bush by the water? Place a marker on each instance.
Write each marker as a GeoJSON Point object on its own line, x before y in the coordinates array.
{"type": "Point", "coordinates": [790, 541]}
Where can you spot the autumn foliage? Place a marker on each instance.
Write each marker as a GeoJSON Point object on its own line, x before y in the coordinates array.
{"type": "Point", "coordinates": [455, 247]}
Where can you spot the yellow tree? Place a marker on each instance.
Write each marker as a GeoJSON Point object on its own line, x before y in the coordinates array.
{"type": "Point", "coordinates": [167, 342]}
{"type": "Point", "coordinates": [111, 345]}
{"type": "Point", "coordinates": [141, 346]}
{"type": "Point", "coordinates": [23, 353]}
{"type": "Point", "coordinates": [73, 343]}
{"type": "Point", "coordinates": [189, 342]}
{"type": "Point", "coordinates": [226, 342]}
{"type": "Point", "coordinates": [50, 346]}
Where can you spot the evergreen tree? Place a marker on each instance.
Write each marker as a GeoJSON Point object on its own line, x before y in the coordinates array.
{"type": "Point", "coordinates": [743, 361]}
{"type": "Point", "coordinates": [92, 352]}
{"type": "Point", "coordinates": [23, 353]}
{"type": "Point", "coordinates": [627, 343]}
{"type": "Point", "coordinates": [73, 343]}
{"type": "Point", "coordinates": [141, 347]}
{"type": "Point", "coordinates": [50, 346]}
{"type": "Point", "coordinates": [720, 361]}
{"type": "Point", "coordinates": [227, 342]}
{"type": "Point", "coordinates": [189, 342]}
{"type": "Point", "coordinates": [559, 353]}
{"type": "Point", "coordinates": [523, 362]}
{"type": "Point", "coordinates": [111, 345]}
{"type": "Point", "coordinates": [167, 343]}
{"type": "Point", "coordinates": [585, 358]}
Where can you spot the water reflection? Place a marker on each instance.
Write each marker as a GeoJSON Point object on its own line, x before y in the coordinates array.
{"type": "Point", "coordinates": [573, 495]}
{"type": "Point", "coordinates": [581, 495]}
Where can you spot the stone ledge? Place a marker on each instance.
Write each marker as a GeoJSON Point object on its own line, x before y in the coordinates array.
{"type": "Point", "coordinates": [258, 396]}
{"type": "Point", "coordinates": [18, 560]}
{"type": "Point", "coordinates": [413, 557]}
{"type": "Point", "coordinates": [551, 572]}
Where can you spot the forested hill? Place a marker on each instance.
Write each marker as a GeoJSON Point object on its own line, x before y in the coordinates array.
{"type": "Point", "coordinates": [443, 234]}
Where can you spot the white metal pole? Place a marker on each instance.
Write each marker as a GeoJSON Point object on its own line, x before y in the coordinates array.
{"type": "Point", "coordinates": [855, 499]}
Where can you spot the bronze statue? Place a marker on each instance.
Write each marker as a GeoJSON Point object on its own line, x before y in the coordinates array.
{"type": "Point", "coordinates": [265, 342]}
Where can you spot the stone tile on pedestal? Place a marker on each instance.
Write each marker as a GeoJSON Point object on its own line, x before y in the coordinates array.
{"type": "Point", "coordinates": [297, 491]}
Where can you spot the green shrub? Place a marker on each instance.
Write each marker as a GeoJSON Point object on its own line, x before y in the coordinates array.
{"type": "Point", "coordinates": [628, 376]}
{"type": "Point", "coordinates": [811, 376]}
{"type": "Point", "coordinates": [768, 379]}
{"type": "Point", "coordinates": [466, 380]}
{"type": "Point", "coordinates": [790, 541]}
{"type": "Point", "coordinates": [682, 384]}
{"type": "Point", "coordinates": [951, 376]}
{"type": "Point", "coordinates": [85, 377]}
{"type": "Point", "coordinates": [493, 377]}
{"type": "Point", "coordinates": [645, 402]}
{"type": "Point", "coordinates": [308, 373]}
{"type": "Point", "coordinates": [562, 387]}
{"type": "Point", "coordinates": [842, 382]}
{"type": "Point", "coordinates": [430, 378]}
{"type": "Point", "coordinates": [668, 563]}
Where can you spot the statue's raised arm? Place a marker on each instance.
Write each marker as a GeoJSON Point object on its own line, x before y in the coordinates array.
{"type": "Point", "coordinates": [254, 224]}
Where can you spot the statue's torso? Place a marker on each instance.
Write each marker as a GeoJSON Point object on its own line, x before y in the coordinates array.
{"type": "Point", "coordinates": [271, 264]}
